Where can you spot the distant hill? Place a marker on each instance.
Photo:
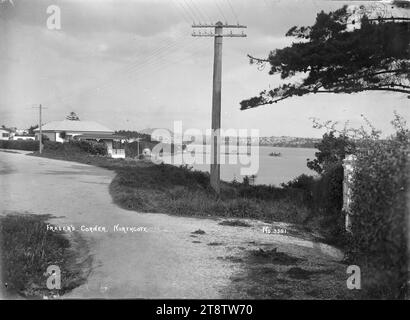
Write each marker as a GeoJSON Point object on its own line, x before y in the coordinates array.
{"type": "Point", "coordinates": [283, 141]}
{"type": "Point", "coordinates": [289, 142]}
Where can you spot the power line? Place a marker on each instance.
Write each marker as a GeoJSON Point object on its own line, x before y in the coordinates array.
{"type": "Point", "coordinates": [194, 14]}
{"type": "Point", "coordinates": [220, 10]}
{"type": "Point", "coordinates": [153, 68]}
{"type": "Point", "coordinates": [111, 82]}
{"type": "Point", "coordinates": [166, 64]}
{"type": "Point", "coordinates": [187, 10]}
{"type": "Point", "coordinates": [200, 11]}
{"type": "Point", "coordinates": [154, 63]}
{"type": "Point", "coordinates": [182, 12]}
{"type": "Point", "coordinates": [233, 11]}
{"type": "Point", "coordinates": [134, 66]}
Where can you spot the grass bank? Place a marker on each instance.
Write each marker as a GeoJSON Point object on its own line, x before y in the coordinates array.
{"type": "Point", "coordinates": [28, 249]}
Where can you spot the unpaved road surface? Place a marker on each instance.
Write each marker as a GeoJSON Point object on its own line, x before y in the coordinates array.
{"type": "Point", "coordinates": [166, 260]}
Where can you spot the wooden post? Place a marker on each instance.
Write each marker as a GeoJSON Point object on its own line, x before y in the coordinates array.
{"type": "Point", "coordinates": [407, 229]}
{"type": "Point", "coordinates": [41, 132]}
{"type": "Point", "coordinates": [216, 110]}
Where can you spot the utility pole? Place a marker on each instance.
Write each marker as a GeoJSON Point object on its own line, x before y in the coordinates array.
{"type": "Point", "coordinates": [41, 132]}
{"type": "Point", "coordinates": [40, 125]}
{"type": "Point", "coordinates": [216, 94]}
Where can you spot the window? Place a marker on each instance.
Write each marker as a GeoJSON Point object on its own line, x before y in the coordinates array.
{"type": "Point", "coordinates": [5, 135]}
{"type": "Point", "coordinates": [117, 144]}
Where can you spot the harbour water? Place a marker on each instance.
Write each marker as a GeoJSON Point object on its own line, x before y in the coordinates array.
{"type": "Point", "coordinates": [274, 170]}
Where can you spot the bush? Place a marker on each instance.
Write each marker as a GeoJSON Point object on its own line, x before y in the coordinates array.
{"type": "Point", "coordinates": [379, 232]}
{"type": "Point", "coordinates": [327, 200]}
{"type": "Point", "coordinates": [304, 182]}
{"type": "Point", "coordinates": [82, 146]}
{"type": "Point", "coordinates": [131, 148]}
{"type": "Point", "coordinates": [29, 145]}
{"type": "Point", "coordinates": [332, 150]}
{"type": "Point", "coordinates": [323, 196]}
{"type": "Point", "coordinates": [91, 147]}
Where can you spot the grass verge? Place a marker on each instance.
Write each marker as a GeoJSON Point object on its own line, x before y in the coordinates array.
{"type": "Point", "coordinates": [28, 249]}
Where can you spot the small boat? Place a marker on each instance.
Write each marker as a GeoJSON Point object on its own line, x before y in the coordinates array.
{"type": "Point", "coordinates": [275, 154]}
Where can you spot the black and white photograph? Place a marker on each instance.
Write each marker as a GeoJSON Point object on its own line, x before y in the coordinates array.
{"type": "Point", "coordinates": [205, 150]}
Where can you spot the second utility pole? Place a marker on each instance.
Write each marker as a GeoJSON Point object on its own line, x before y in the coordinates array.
{"type": "Point", "coordinates": [216, 96]}
{"type": "Point", "coordinates": [40, 125]}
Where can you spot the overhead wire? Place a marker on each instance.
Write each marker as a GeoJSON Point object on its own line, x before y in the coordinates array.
{"type": "Point", "coordinates": [220, 11]}
{"type": "Point", "coordinates": [152, 61]}
{"type": "Point", "coordinates": [134, 66]}
{"type": "Point", "coordinates": [233, 11]}
{"type": "Point", "coordinates": [193, 13]}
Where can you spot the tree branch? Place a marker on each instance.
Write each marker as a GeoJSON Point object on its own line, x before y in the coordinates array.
{"type": "Point", "coordinates": [258, 59]}
{"type": "Point", "coordinates": [308, 91]}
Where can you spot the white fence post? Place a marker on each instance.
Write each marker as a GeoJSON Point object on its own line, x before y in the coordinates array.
{"type": "Point", "coordinates": [348, 167]}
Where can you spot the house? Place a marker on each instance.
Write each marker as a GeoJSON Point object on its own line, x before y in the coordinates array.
{"type": "Point", "coordinates": [4, 134]}
{"type": "Point", "coordinates": [23, 137]}
{"type": "Point", "coordinates": [66, 130]}
{"type": "Point", "coordinates": [22, 132]}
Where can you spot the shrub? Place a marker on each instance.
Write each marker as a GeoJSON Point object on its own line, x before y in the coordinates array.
{"type": "Point", "coordinates": [379, 232]}
{"type": "Point", "coordinates": [131, 148]}
{"type": "Point", "coordinates": [304, 182]}
{"type": "Point", "coordinates": [91, 147]}
{"type": "Point", "coordinates": [323, 195]}
{"type": "Point", "coordinates": [29, 145]}
{"type": "Point", "coordinates": [332, 150]}
{"type": "Point", "coordinates": [327, 203]}
{"type": "Point", "coordinates": [82, 146]}
{"type": "Point", "coordinates": [52, 145]}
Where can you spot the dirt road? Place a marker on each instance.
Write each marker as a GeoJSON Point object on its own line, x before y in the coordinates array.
{"type": "Point", "coordinates": [166, 260]}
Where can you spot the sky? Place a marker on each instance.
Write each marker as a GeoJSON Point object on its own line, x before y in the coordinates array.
{"type": "Point", "coordinates": [133, 64]}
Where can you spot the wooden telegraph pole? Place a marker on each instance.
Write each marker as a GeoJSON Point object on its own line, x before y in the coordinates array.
{"type": "Point", "coordinates": [216, 94]}
{"type": "Point", "coordinates": [40, 125]}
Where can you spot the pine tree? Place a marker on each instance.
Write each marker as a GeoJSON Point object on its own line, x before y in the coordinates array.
{"type": "Point", "coordinates": [73, 117]}
{"type": "Point", "coordinates": [333, 59]}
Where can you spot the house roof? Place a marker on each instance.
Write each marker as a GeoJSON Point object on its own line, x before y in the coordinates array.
{"type": "Point", "coordinates": [100, 136]}
{"type": "Point", "coordinates": [70, 125]}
